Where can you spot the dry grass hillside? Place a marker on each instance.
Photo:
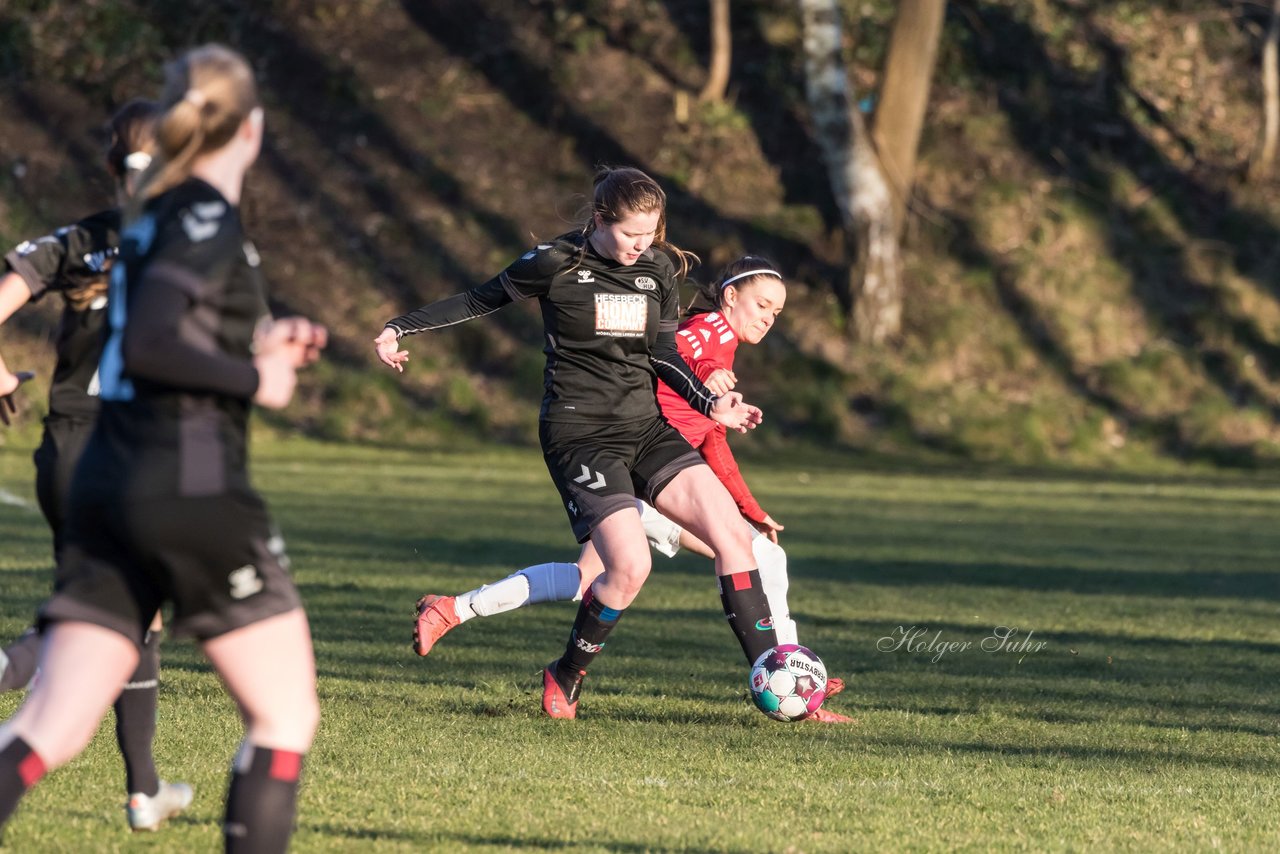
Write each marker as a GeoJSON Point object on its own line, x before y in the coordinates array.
{"type": "Point", "coordinates": [1091, 281]}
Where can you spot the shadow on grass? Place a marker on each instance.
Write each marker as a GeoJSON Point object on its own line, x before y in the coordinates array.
{"type": "Point", "coordinates": [1154, 759]}
{"type": "Point", "coordinates": [499, 838]}
{"type": "Point", "coordinates": [1014, 576]}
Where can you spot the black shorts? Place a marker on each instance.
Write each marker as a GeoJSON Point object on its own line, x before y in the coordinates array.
{"type": "Point", "coordinates": [602, 468]}
{"type": "Point", "coordinates": [60, 449]}
{"type": "Point", "coordinates": [216, 558]}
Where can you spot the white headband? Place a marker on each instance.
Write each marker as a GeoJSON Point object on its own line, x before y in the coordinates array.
{"type": "Point", "coordinates": [748, 275]}
{"type": "Point", "coordinates": [137, 161]}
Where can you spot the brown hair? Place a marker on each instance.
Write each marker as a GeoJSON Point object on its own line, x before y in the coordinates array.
{"type": "Point", "coordinates": [710, 297]}
{"type": "Point", "coordinates": [131, 129]}
{"type": "Point", "coordinates": [208, 92]}
{"type": "Point", "coordinates": [623, 190]}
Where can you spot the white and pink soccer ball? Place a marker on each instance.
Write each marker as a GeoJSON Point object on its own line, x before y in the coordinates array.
{"type": "Point", "coordinates": [788, 682]}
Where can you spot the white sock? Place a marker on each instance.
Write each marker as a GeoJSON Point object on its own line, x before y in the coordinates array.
{"type": "Point", "coordinates": [545, 582]}
{"type": "Point", "coordinates": [772, 561]}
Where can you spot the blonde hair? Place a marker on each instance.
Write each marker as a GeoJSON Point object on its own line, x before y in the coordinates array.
{"type": "Point", "coordinates": [208, 92]}
{"type": "Point", "coordinates": [621, 191]}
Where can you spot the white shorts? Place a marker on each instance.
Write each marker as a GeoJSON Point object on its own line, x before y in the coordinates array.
{"type": "Point", "coordinates": [663, 534]}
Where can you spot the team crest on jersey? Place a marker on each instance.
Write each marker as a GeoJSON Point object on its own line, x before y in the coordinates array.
{"type": "Point", "coordinates": [621, 315]}
{"type": "Point", "coordinates": [645, 283]}
{"type": "Point", "coordinates": [202, 220]}
{"type": "Point", "coordinates": [245, 582]}
{"type": "Point", "coordinates": [585, 277]}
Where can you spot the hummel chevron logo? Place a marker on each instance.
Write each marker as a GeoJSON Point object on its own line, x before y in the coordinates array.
{"type": "Point", "coordinates": [586, 475]}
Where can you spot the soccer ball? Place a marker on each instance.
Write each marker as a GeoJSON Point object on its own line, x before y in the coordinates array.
{"type": "Point", "coordinates": [788, 682]}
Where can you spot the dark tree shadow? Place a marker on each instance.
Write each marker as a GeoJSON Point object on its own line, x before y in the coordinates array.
{"type": "Point", "coordinates": [1082, 133]}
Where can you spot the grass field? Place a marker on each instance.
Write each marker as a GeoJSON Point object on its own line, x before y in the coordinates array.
{"type": "Point", "coordinates": [1147, 719]}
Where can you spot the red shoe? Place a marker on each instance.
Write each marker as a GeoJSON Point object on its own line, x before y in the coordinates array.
{"type": "Point", "coordinates": [436, 615]}
{"type": "Point", "coordinates": [826, 716]}
{"type": "Point", "coordinates": [555, 702]}
{"type": "Point", "coordinates": [834, 686]}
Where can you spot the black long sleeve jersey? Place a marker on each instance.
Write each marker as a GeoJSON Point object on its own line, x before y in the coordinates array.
{"type": "Point", "coordinates": [73, 261]}
{"type": "Point", "coordinates": [177, 371]}
{"type": "Point", "coordinates": [609, 329]}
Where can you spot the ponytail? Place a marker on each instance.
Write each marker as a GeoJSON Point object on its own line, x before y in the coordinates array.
{"type": "Point", "coordinates": [209, 91]}
{"type": "Point", "coordinates": [132, 132]}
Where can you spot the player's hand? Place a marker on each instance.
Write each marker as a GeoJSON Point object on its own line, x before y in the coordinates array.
{"type": "Point", "coordinates": [721, 381]}
{"type": "Point", "coordinates": [735, 413]}
{"type": "Point", "coordinates": [769, 528]}
{"type": "Point", "coordinates": [389, 352]}
{"type": "Point", "coordinates": [277, 377]}
{"type": "Point", "coordinates": [297, 338]}
{"type": "Point", "coordinates": [8, 386]}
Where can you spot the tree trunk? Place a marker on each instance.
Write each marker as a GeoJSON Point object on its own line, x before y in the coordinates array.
{"type": "Point", "coordinates": [1264, 162]}
{"type": "Point", "coordinates": [873, 299]}
{"type": "Point", "coordinates": [721, 53]}
{"type": "Point", "coordinates": [904, 94]}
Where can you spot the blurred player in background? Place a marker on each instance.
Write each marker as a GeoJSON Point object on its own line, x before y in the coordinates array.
{"type": "Point", "coordinates": [740, 306]}
{"type": "Point", "coordinates": [161, 505]}
{"type": "Point", "coordinates": [74, 262]}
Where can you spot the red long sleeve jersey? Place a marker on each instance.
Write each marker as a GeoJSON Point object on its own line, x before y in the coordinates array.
{"type": "Point", "coordinates": [708, 343]}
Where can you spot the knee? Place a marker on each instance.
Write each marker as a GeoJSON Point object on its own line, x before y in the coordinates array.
{"type": "Point", "coordinates": [629, 575]}
{"type": "Point", "coordinates": [733, 543]}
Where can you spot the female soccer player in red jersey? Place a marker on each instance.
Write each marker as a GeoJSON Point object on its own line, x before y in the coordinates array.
{"type": "Point", "coordinates": [161, 504]}
{"type": "Point", "coordinates": [740, 306]}
{"type": "Point", "coordinates": [610, 310]}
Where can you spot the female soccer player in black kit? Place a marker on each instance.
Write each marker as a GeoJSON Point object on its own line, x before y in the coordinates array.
{"type": "Point", "coordinates": [74, 261]}
{"type": "Point", "coordinates": [610, 310]}
{"type": "Point", "coordinates": [161, 506]}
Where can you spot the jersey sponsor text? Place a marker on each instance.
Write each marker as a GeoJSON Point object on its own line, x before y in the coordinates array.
{"type": "Point", "coordinates": [621, 315]}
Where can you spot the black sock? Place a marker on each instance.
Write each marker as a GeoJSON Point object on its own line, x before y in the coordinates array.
{"type": "Point", "coordinates": [23, 655]}
{"type": "Point", "coordinates": [20, 768]}
{"type": "Point", "coordinates": [590, 628]}
{"type": "Point", "coordinates": [136, 720]}
{"type": "Point", "coordinates": [747, 608]}
{"type": "Point", "coordinates": [262, 800]}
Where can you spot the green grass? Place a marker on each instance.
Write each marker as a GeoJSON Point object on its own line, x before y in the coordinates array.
{"type": "Point", "coordinates": [1148, 720]}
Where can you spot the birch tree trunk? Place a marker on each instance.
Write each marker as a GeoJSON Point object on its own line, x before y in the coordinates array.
{"type": "Point", "coordinates": [1264, 162]}
{"type": "Point", "coordinates": [873, 298]}
{"type": "Point", "coordinates": [721, 53]}
{"type": "Point", "coordinates": [904, 94]}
